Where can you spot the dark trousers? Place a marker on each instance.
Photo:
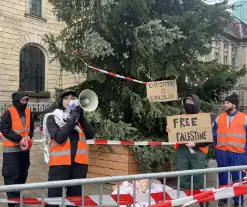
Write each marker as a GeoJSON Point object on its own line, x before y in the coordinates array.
{"type": "Point", "coordinates": [226, 159]}
{"type": "Point", "coordinates": [74, 171]}
{"type": "Point", "coordinates": [15, 170]}
{"type": "Point", "coordinates": [188, 161]}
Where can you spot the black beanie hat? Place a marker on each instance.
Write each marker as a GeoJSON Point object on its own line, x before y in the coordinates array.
{"type": "Point", "coordinates": [233, 99]}
{"type": "Point", "coordinates": [18, 95]}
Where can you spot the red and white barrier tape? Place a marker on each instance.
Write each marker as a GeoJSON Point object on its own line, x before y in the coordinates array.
{"type": "Point", "coordinates": [113, 74]}
{"type": "Point", "coordinates": [107, 200]}
{"type": "Point", "coordinates": [211, 194]}
{"type": "Point", "coordinates": [112, 142]}
{"type": "Point", "coordinates": [38, 129]}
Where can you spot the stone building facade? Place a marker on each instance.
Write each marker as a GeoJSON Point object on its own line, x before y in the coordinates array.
{"type": "Point", "coordinates": [24, 57]}
{"type": "Point", "coordinates": [231, 48]}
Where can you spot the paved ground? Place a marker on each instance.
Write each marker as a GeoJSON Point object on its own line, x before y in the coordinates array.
{"type": "Point", "coordinates": [39, 170]}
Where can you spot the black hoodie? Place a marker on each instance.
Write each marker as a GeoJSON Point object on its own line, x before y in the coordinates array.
{"type": "Point", "coordinates": [6, 121]}
{"type": "Point", "coordinates": [196, 108]}
{"type": "Point", "coordinates": [60, 135]}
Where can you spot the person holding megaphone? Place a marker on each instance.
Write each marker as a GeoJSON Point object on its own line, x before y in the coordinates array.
{"type": "Point", "coordinates": [65, 131]}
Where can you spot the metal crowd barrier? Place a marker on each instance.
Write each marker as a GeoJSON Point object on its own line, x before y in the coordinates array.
{"type": "Point", "coordinates": [101, 181]}
{"type": "Point", "coordinates": [36, 108]}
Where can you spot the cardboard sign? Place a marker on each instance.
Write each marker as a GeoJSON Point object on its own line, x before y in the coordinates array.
{"type": "Point", "coordinates": [190, 128]}
{"type": "Point", "coordinates": [161, 91]}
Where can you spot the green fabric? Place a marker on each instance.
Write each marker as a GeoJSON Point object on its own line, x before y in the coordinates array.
{"type": "Point", "coordinates": [188, 161]}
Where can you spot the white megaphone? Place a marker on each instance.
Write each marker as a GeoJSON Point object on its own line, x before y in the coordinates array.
{"type": "Point", "coordinates": [88, 101]}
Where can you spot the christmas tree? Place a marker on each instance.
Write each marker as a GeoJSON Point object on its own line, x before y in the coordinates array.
{"type": "Point", "coordinates": [149, 40]}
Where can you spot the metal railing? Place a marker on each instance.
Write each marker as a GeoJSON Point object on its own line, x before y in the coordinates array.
{"type": "Point", "coordinates": [36, 108]}
{"type": "Point", "coordinates": [101, 181]}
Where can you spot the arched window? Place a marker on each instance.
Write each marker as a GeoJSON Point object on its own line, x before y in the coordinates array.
{"type": "Point", "coordinates": [32, 69]}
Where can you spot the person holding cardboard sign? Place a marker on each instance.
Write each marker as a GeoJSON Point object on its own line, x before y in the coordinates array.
{"type": "Point", "coordinates": [230, 133]}
{"type": "Point", "coordinates": [191, 155]}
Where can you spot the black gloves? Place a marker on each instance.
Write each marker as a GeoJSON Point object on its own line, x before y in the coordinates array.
{"type": "Point", "coordinates": [75, 114]}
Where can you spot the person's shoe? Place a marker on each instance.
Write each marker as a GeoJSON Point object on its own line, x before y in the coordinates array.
{"type": "Point", "coordinates": [236, 205]}
{"type": "Point", "coordinates": [14, 205]}
{"type": "Point", "coordinates": [222, 202]}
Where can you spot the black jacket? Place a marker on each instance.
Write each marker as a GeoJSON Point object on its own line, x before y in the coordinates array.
{"type": "Point", "coordinates": [196, 110]}
{"type": "Point", "coordinates": [60, 135]}
{"type": "Point", "coordinates": [6, 123]}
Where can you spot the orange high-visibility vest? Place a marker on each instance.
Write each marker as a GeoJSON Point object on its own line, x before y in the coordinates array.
{"type": "Point", "coordinates": [203, 149]}
{"type": "Point", "coordinates": [18, 128]}
{"type": "Point", "coordinates": [60, 154]}
{"type": "Point", "coordinates": [233, 138]}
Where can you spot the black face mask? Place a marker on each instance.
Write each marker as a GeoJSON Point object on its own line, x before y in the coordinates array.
{"type": "Point", "coordinates": [23, 106]}
{"type": "Point", "coordinates": [19, 105]}
{"type": "Point", "coordinates": [189, 108]}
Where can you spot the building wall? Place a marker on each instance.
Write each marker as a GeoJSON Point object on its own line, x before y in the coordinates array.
{"type": "Point", "coordinates": [225, 51]}
{"type": "Point", "coordinates": [230, 52]}
{"type": "Point", "coordinates": [17, 30]}
{"type": "Point", "coordinates": [72, 79]}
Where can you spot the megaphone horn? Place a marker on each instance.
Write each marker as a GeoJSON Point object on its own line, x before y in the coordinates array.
{"type": "Point", "coordinates": [88, 100]}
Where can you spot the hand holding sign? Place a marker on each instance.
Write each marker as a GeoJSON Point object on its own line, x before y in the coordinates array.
{"type": "Point", "coordinates": [168, 129]}
{"type": "Point", "coordinates": [191, 144]}
{"type": "Point", "coordinates": [192, 128]}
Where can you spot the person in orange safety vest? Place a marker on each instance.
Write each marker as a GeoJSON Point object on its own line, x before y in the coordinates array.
{"type": "Point", "coordinates": [230, 132]}
{"type": "Point", "coordinates": [68, 150]}
{"type": "Point", "coordinates": [16, 124]}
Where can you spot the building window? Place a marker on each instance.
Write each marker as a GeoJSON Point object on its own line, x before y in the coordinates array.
{"type": "Point", "coordinates": [32, 69]}
{"type": "Point", "coordinates": [217, 43]}
{"type": "Point", "coordinates": [233, 61]}
{"type": "Point", "coordinates": [225, 46]}
{"type": "Point", "coordinates": [216, 55]}
{"type": "Point", "coordinates": [34, 7]}
{"type": "Point", "coordinates": [225, 59]}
